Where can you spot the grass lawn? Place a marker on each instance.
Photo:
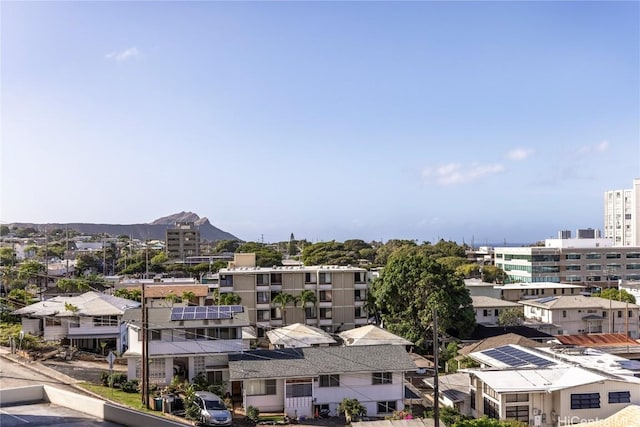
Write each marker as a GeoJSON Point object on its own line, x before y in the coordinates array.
{"type": "Point", "coordinates": [132, 400]}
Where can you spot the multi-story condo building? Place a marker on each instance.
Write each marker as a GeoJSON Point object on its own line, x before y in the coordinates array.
{"type": "Point", "coordinates": [340, 291]}
{"type": "Point", "coordinates": [622, 215]}
{"type": "Point", "coordinates": [591, 262]}
{"type": "Point", "coordinates": [183, 241]}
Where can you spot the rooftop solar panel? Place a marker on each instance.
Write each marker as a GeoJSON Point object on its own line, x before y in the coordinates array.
{"type": "Point", "coordinates": [515, 357]}
{"type": "Point", "coordinates": [211, 312]}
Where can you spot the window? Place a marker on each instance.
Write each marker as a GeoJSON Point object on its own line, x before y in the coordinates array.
{"type": "Point", "coordinates": [359, 313]}
{"type": "Point", "coordinates": [325, 278]}
{"type": "Point", "coordinates": [309, 278]}
{"type": "Point", "coordinates": [495, 312]}
{"type": "Point", "coordinates": [593, 267]}
{"type": "Point", "coordinates": [261, 387]}
{"type": "Point", "coordinates": [472, 394]}
{"type": "Point", "coordinates": [325, 296]}
{"type": "Point", "coordinates": [517, 397]}
{"type": "Point", "coordinates": [262, 279]}
{"type": "Point", "coordinates": [226, 280]}
{"type": "Point", "coordinates": [381, 378]}
{"type": "Point", "coordinates": [155, 334]}
{"type": "Point", "coordinates": [485, 312]}
{"type": "Point", "coordinates": [262, 297]}
{"type": "Point", "coordinates": [299, 389]}
{"type": "Point", "coordinates": [53, 321]}
{"type": "Point", "coordinates": [491, 409]}
{"type": "Point", "coordinates": [519, 412]}
{"type": "Point", "coordinates": [325, 313]}
{"type": "Point", "coordinates": [105, 321]}
{"type": "Point", "coordinates": [572, 256]}
{"type": "Point", "coordinates": [619, 397]}
{"type": "Point", "coordinates": [386, 407]}
{"type": "Point", "coordinates": [215, 377]}
{"type": "Point", "coordinates": [612, 255]}
{"type": "Point", "coordinates": [276, 278]}
{"type": "Point", "coordinates": [309, 312]}
{"type": "Point", "coordinates": [262, 315]}
{"type": "Point", "coordinates": [585, 400]}
{"type": "Point", "coordinates": [564, 314]}
{"type": "Point", "coordinates": [619, 314]}
{"type": "Point", "coordinates": [329, 380]}
{"type": "Point", "coordinates": [276, 313]}
{"type": "Point", "coordinates": [359, 295]}
{"type": "Point", "coordinates": [593, 256]}
{"type": "Point", "coordinates": [359, 277]}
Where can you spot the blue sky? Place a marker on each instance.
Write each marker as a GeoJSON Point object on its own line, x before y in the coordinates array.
{"type": "Point", "coordinates": [332, 120]}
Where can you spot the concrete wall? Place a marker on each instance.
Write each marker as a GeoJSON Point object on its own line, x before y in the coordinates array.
{"type": "Point", "coordinates": [84, 404]}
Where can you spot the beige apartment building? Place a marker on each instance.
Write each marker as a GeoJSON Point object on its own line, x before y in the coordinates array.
{"type": "Point", "coordinates": [183, 241]}
{"type": "Point", "coordinates": [622, 215]}
{"type": "Point", "coordinates": [340, 293]}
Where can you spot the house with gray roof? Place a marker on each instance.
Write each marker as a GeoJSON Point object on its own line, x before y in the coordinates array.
{"type": "Point", "coordinates": [303, 381]}
{"type": "Point", "coordinates": [85, 320]}
{"type": "Point", "coordinates": [488, 309]}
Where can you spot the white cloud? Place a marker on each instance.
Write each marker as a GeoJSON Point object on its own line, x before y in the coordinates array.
{"type": "Point", "coordinates": [600, 147]}
{"type": "Point", "coordinates": [129, 53]}
{"type": "Point", "coordinates": [519, 153]}
{"type": "Point", "coordinates": [455, 173]}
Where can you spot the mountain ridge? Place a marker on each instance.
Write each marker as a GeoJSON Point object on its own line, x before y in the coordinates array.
{"type": "Point", "coordinates": [154, 230]}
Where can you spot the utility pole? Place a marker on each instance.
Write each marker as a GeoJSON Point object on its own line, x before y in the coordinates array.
{"type": "Point", "coordinates": [436, 344]}
{"type": "Point", "coordinates": [145, 350]}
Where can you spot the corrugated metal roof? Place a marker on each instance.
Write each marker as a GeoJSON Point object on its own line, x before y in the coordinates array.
{"type": "Point", "coordinates": [88, 304]}
{"type": "Point", "coordinates": [590, 340]}
{"type": "Point", "coordinates": [299, 335]}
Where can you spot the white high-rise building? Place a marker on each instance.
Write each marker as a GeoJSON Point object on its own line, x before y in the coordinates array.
{"type": "Point", "coordinates": [622, 215]}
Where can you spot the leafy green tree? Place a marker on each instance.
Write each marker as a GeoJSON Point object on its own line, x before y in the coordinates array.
{"type": "Point", "coordinates": [19, 298]}
{"type": "Point", "coordinates": [198, 269]}
{"type": "Point", "coordinates": [30, 271]}
{"type": "Point", "coordinates": [283, 299]}
{"type": "Point", "coordinates": [411, 285]}
{"type": "Point", "coordinates": [265, 256]}
{"type": "Point", "coordinates": [10, 278]}
{"type": "Point", "coordinates": [7, 256]}
{"type": "Point", "coordinates": [156, 264]}
{"type": "Point", "coordinates": [4, 230]}
{"type": "Point", "coordinates": [88, 263]}
{"type": "Point", "coordinates": [385, 251]}
{"type": "Point", "coordinates": [511, 317]}
{"type": "Point", "coordinates": [616, 295]}
{"type": "Point", "coordinates": [493, 274]}
{"type": "Point", "coordinates": [452, 262]}
{"type": "Point", "coordinates": [352, 408]}
{"type": "Point", "coordinates": [171, 299]}
{"type": "Point", "coordinates": [469, 271]}
{"type": "Point", "coordinates": [130, 294]}
{"type": "Point", "coordinates": [227, 246]}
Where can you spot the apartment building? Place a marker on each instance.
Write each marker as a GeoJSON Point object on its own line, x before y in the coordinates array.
{"type": "Point", "coordinates": [340, 292]}
{"type": "Point", "coordinates": [579, 314]}
{"type": "Point", "coordinates": [622, 215]}
{"type": "Point", "coordinates": [182, 241]}
{"type": "Point", "coordinates": [590, 262]}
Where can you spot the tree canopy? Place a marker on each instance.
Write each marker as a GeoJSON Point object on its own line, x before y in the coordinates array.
{"type": "Point", "coordinates": [616, 295]}
{"type": "Point", "coordinates": [411, 285]}
{"type": "Point", "coordinates": [265, 256]}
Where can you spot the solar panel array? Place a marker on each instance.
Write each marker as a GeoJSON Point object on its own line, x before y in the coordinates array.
{"type": "Point", "coordinates": [546, 300]}
{"type": "Point", "coordinates": [210, 312]}
{"type": "Point", "coordinates": [514, 357]}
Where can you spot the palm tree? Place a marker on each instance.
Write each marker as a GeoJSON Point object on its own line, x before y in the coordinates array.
{"type": "Point", "coordinates": [230, 298]}
{"type": "Point", "coordinates": [306, 297]}
{"type": "Point", "coordinates": [283, 299]}
{"type": "Point", "coordinates": [187, 296]}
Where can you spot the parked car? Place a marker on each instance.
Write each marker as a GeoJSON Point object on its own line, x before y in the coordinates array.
{"type": "Point", "coordinates": [213, 411]}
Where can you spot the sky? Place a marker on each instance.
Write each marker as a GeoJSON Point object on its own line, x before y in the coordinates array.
{"type": "Point", "coordinates": [483, 121]}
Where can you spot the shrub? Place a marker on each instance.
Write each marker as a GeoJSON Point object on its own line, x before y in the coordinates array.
{"type": "Point", "coordinates": [130, 386]}
{"type": "Point", "coordinates": [253, 413]}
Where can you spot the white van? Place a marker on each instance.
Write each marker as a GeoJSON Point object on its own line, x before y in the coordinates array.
{"type": "Point", "coordinates": [213, 411]}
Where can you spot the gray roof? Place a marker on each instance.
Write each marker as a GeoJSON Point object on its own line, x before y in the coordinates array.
{"type": "Point", "coordinates": [88, 304]}
{"type": "Point", "coordinates": [299, 335]}
{"type": "Point", "coordinates": [314, 361]}
{"type": "Point", "coordinates": [577, 301]}
{"type": "Point", "coordinates": [488, 302]}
